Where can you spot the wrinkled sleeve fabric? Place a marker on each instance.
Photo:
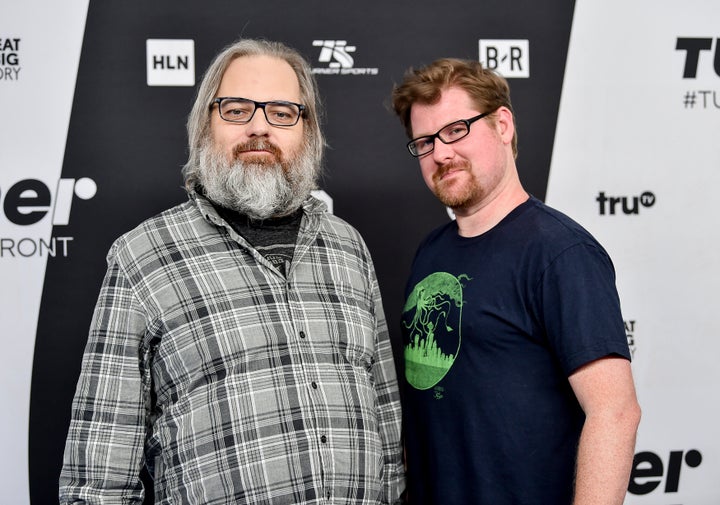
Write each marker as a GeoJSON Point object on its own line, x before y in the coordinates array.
{"type": "Point", "coordinates": [581, 307]}
{"type": "Point", "coordinates": [389, 410]}
{"type": "Point", "coordinates": [104, 448]}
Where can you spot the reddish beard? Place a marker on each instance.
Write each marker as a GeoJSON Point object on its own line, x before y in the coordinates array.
{"type": "Point", "coordinates": [258, 145]}
{"type": "Point", "coordinates": [453, 193]}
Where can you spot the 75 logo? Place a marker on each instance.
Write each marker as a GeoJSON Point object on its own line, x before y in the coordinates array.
{"type": "Point", "coordinates": [337, 50]}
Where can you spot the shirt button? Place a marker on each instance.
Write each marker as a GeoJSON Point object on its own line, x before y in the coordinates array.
{"type": "Point", "coordinates": [323, 439]}
{"type": "Point", "coordinates": [314, 385]}
{"type": "Point", "coordinates": [302, 334]}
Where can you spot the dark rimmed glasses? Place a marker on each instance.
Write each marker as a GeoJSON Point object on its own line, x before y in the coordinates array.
{"type": "Point", "coordinates": [447, 134]}
{"type": "Point", "coordinates": [241, 110]}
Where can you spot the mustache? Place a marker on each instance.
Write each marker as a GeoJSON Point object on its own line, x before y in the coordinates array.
{"type": "Point", "coordinates": [453, 165]}
{"type": "Point", "coordinates": [257, 145]}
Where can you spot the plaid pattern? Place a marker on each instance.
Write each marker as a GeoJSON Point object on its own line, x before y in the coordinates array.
{"type": "Point", "coordinates": [232, 382]}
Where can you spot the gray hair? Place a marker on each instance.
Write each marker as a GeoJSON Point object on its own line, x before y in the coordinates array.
{"type": "Point", "coordinates": [198, 124]}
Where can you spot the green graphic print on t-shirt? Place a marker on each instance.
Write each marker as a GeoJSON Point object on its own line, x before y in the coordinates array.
{"type": "Point", "coordinates": [432, 316]}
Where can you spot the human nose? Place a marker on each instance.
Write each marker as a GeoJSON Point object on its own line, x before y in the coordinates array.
{"type": "Point", "coordinates": [258, 125]}
{"type": "Point", "coordinates": [442, 151]}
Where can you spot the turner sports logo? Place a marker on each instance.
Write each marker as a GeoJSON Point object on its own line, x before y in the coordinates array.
{"type": "Point", "coordinates": [336, 53]}
{"type": "Point", "coordinates": [9, 59]}
{"type": "Point", "coordinates": [30, 201]}
{"type": "Point", "coordinates": [701, 63]}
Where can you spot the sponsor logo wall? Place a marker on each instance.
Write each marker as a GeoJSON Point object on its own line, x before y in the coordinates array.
{"type": "Point", "coordinates": [636, 161]}
{"type": "Point", "coordinates": [617, 128]}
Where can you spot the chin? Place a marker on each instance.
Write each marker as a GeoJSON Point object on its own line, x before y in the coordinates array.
{"type": "Point", "coordinates": [454, 201]}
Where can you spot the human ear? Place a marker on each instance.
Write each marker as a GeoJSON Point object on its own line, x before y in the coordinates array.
{"type": "Point", "coordinates": [505, 123]}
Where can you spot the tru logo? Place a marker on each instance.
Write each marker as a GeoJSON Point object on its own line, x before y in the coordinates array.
{"type": "Point", "coordinates": [693, 48]}
{"type": "Point", "coordinates": [626, 204]}
{"type": "Point", "coordinates": [335, 50]}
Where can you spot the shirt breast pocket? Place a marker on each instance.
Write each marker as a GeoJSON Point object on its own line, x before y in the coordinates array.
{"type": "Point", "coordinates": [353, 332]}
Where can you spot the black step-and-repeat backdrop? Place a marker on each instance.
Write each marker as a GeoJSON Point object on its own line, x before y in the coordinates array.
{"type": "Point", "coordinates": [618, 109]}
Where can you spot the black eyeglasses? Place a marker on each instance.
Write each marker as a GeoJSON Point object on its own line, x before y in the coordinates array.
{"type": "Point", "coordinates": [241, 110]}
{"type": "Point", "coordinates": [447, 134]}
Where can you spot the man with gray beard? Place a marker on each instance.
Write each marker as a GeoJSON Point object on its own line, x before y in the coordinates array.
{"type": "Point", "coordinates": [239, 351]}
{"type": "Point", "coordinates": [260, 188]}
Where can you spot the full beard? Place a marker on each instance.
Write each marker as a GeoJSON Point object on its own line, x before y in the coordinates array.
{"type": "Point", "coordinates": [455, 194]}
{"type": "Point", "coordinates": [259, 187]}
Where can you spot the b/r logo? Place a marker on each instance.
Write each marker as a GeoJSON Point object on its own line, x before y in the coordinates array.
{"type": "Point", "coordinates": [510, 58]}
{"type": "Point", "coordinates": [337, 50]}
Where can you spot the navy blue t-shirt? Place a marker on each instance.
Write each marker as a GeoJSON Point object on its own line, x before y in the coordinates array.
{"type": "Point", "coordinates": [493, 326]}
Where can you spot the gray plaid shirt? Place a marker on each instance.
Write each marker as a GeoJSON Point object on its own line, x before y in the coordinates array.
{"type": "Point", "coordinates": [232, 382]}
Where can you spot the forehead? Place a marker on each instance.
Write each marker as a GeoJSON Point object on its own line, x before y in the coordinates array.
{"type": "Point", "coordinates": [454, 104]}
{"type": "Point", "coordinates": [260, 78]}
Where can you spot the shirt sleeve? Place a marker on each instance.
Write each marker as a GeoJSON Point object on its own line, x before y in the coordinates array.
{"type": "Point", "coordinates": [581, 307]}
{"type": "Point", "coordinates": [389, 410]}
{"type": "Point", "coordinates": [104, 447]}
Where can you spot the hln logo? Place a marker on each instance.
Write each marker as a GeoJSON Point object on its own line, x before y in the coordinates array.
{"type": "Point", "coordinates": [509, 58]}
{"type": "Point", "coordinates": [170, 62]}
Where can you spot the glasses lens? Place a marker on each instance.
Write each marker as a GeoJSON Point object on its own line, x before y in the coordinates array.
{"type": "Point", "coordinates": [282, 113]}
{"type": "Point", "coordinates": [454, 132]}
{"type": "Point", "coordinates": [237, 110]}
{"type": "Point", "coordinates": [422, 145]}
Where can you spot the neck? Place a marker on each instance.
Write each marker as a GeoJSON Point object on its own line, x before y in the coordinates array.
{"type": "Point", "coordinates": [482, 217]}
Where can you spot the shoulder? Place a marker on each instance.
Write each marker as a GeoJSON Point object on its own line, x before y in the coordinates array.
{"type": "Point", "coordinates": [335, 225]}
{"type": "Point", "coordinates": [553, 221]}
{"type": "Point", "coordinates": [553, 230]}
{"type": "Point", "coordinates": [172, 226]}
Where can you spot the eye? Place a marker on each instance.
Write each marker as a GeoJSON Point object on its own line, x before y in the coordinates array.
{"type": "Point", "coordinates": [281, 113]}
{"type": "Point", "coordinates": [235, 110]}
{"type": "Point", "coordinates": [455, 131]}
{"type": "Point", "coordinates": [423, 143]}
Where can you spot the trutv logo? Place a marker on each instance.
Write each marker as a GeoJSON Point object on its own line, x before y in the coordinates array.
{"type": "Point", "coordinates": [30, 201]}
{"type": "Point", "coordinates": [650, 469]}
{"type": "Point", "coordinates": [627, 205]}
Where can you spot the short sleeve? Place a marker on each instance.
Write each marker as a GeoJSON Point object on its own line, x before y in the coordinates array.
{"type": "Point", "coordinates": [580, 307]}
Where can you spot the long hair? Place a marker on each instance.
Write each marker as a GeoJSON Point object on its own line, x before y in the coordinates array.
{"type": "Point", "coordinates": [198, 124]}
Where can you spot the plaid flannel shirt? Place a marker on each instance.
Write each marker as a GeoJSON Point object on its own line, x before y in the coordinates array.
{"type": "Point", "coordinates": [231, 382]}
